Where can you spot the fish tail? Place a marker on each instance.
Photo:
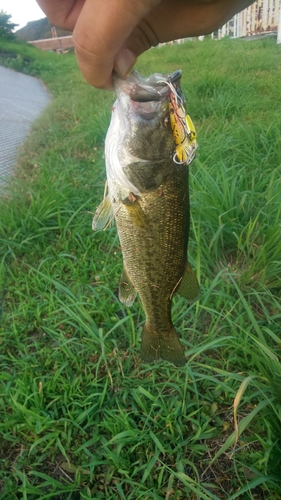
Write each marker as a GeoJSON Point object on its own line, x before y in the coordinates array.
{"type": "Point", "coordinates": [159, 346]}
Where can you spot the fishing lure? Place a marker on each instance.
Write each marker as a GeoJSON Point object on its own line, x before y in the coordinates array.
{"type": "Point", "coordinates": [183, 129]}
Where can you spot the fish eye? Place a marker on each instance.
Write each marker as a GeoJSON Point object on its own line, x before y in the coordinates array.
{"type": "Point", "coordinates": [167, 122]}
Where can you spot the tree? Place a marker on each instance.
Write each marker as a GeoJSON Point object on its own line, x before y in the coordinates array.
{"type": "Point", "coordinates": [6, 27]}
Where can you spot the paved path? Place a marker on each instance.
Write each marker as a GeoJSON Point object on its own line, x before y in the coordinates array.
{"type": "Point", "coordinates": [22, 98]}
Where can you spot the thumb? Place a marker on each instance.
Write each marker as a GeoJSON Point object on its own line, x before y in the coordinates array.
{"type": "Point", "coordinates": [103, 38]}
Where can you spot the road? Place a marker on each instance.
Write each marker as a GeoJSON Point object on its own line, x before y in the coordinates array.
{"type": "Point", "coordinates": [22, 99]}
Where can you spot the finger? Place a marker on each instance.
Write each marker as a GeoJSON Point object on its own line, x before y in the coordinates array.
{"type": "Point", "coordinates": [62, 13]}
{"type": "Point", "coordinates": [100, 35]}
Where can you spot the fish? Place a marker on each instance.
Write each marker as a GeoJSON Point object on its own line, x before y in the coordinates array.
{"type": "Point", "coordinates": [148, 197]}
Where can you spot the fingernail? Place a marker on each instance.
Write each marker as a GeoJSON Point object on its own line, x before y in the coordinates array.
{"type": "Point", "coordinates": [124, 62]}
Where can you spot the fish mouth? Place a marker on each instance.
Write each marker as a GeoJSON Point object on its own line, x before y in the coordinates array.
{"type": "Point", "coordinates": [146, 95]}
{"type": "Point", "coordinates": [153, 88]}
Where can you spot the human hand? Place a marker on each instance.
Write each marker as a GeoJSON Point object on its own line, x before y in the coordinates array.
{"type": "Point", "coordinates": [110, 34]}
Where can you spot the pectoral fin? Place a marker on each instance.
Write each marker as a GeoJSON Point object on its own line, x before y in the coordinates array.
{"type": "Point", "coordinates": [127, 292]}
{"type": "Point", "coordinates": [136, 213]}
{"type": "Point", "coordinates": [103, 214]}
{"type": "Point", "coordinates": [189, 286]}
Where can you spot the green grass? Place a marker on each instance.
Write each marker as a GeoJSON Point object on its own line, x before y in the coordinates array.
{"type": "Point", "coordinates": [81, 416]}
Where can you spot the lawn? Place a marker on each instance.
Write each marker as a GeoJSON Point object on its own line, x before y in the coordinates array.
{"type": "Point", "coordinates": [81, 417]}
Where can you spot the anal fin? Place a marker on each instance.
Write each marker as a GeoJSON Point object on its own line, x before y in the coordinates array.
{"type": "Point", "coordinates": [127, 291]}
{"type": "Point", "coordinates": [189, 286]}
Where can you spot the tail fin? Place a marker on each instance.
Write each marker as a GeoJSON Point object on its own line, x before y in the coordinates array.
{"type": "Point", "coordinates": [167, 347]}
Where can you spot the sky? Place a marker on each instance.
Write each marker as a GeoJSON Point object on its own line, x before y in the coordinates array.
{"type": "Point", "coordinates": [22, 11]}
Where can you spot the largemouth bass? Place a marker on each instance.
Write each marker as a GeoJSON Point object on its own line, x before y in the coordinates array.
{"type": "Point", "coordinates": [148, 197]}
